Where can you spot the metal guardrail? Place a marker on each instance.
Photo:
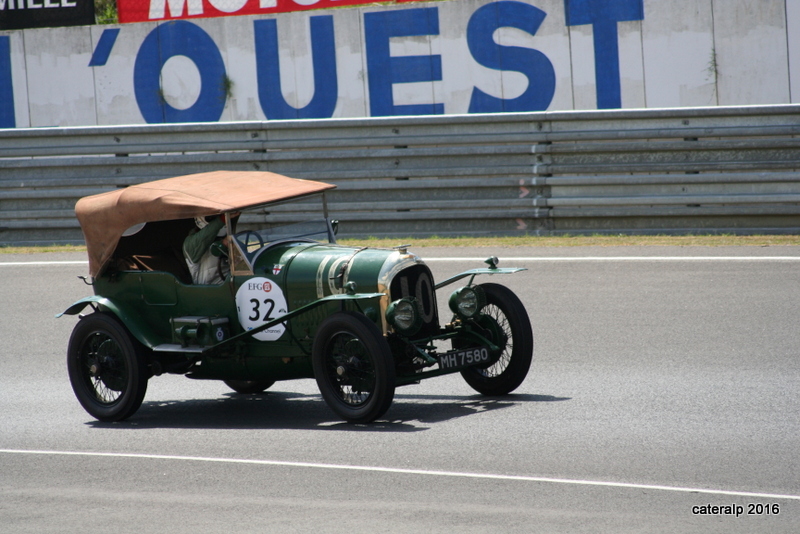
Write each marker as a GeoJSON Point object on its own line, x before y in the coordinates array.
{"type": "Point", "coordinates": [685, 170]}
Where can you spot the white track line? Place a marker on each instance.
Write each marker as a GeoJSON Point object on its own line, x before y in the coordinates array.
{"type": "Point", "coordinates": [17, 263]}
{"type": "Point", "coordinates": [505, 259]}
{"type": "Point", "coordinates": [421, 472]}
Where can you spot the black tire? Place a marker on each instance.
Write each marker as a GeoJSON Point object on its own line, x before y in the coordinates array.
{"type": "Point", "coordinates": [249, 387]}
{"type": "Point", "coordinates": [504, 315]}
{"type": "Point", "coordinates": [107, 368]}
{"type": "Point", "coordinates": [354, 368]}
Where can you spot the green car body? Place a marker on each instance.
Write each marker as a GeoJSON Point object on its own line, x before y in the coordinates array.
{"type": "Point", "coordinates": [360, 321]}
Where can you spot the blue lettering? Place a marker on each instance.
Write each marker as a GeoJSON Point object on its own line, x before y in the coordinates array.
{"type": "Point", "coordinates": [532, 63]}
{"type": "Point", "coordinates": [383, 70]}
{"type": "Point", "coordinates": [103, 48]}
{"type": "Point", "coordinates": [603, 15]}
{"type": "Point", "coordinates": [7, 118]}
{"type": "Point", "coordinates": [179, 38]}
{"type": "Point", "coordinates": [326, 85]}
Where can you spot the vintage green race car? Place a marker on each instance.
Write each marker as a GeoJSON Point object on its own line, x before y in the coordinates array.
{"type": "Point", "coordinates": [291, 304]}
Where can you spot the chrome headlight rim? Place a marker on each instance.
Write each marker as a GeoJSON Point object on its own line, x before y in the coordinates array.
{"type": "Point", "coordinates": [404, 316]}
{"type": "Point", "coordinates": [467, 302]}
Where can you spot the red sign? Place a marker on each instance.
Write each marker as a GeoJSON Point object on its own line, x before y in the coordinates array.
{"type": "Point", "coordinates": [150, 10]}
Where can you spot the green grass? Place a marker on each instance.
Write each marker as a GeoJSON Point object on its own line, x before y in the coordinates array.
{"type": "Point", "coordinates": [40, 249]}
{"type": "Point", "coordinates": [525, 241]}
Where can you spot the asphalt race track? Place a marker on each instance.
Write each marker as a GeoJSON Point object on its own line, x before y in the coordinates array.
{"type": "Point", "coordinates": [663, 397]}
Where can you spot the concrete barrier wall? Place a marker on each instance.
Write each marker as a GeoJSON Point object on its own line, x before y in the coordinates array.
{"type": "Point", "coordinates": [447, 57]}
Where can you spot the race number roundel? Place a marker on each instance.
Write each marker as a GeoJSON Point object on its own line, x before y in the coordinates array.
{"type": "Point", "coordinates": [258, 301]}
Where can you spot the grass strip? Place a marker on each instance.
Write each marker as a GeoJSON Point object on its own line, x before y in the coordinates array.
{"type": "Point", "coordinates": [525, 241]}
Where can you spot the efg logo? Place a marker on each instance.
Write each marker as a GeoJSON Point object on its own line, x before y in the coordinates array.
{"type": "Point", "coordinates": [259, 286]}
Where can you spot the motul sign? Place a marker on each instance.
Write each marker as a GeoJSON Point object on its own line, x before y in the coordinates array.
{"type": "Point", "coordinates": [148, 10]}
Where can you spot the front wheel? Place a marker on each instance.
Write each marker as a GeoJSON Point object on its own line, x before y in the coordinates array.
{"type": "Point", "coordinates": [107, 368]}
{"type": "Point", "coordinates": [505, 318]}
{"type": "Point", "coordinates": [353, 367]}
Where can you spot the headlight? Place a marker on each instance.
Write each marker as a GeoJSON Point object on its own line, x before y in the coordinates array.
{"type": "Point", "coordinates": [467, 302]}
{"type": "Point", "coordinates": [404, 316]}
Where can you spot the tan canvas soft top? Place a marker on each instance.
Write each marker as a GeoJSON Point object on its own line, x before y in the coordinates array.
{"type": "Point", "coordinates": [104, 217]}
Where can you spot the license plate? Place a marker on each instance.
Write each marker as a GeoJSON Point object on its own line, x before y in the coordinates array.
{"type": "Point", "coordinates": [463, 357]}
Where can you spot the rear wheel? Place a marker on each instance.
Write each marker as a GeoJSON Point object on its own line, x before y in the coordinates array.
{"type": "Point", "coordinates": [249, 387]}
{"type": "Point", "coordinates": [107, 368]}
{"type": "Point", "coordinates": [505, 320]}
{"type": "Point", "coordinates": [353, 367]}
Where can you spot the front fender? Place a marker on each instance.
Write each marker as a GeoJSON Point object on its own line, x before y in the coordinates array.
{"type": "Point", "coordinates": [475, 272]}
{"type": "Point", "coordinates": [129, 320]}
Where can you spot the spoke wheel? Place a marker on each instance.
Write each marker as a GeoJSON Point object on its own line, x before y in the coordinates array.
{"type": "Point", "coordinates": [249, 387]}
{"type": "Point", "coordinates": [353, 367]}
{"type": "Point", "coordinates": [107, 368]}
{"type": "Point", "coordinates": [505, 320]}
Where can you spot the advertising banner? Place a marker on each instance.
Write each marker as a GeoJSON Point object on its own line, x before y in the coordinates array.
{"type": "Point", "coordinates": [149, 10]}
{"type": "Point", "coordinates": [419, 58]}
{"type": "Point", "coordinates": [22, 14]}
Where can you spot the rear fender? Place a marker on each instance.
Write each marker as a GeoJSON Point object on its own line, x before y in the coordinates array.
{"type": "Point", "coordinates": [129, 320]}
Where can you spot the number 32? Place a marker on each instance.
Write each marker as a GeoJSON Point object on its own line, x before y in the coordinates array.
{"type": "Point", "coordinates": [269, 303]}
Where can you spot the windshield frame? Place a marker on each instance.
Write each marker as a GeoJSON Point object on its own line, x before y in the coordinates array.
{"type": "Point", "coordinates": [243, 261]}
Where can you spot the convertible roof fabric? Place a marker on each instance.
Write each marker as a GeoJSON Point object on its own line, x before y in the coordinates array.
{"type": "Point", "coordinates": [104, 217]}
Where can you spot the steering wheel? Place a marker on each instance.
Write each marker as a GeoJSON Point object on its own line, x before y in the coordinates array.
{"type": "Point", "coordinates": [250, 233]}
{"type": "Point", "coordinates": [219, 250]}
